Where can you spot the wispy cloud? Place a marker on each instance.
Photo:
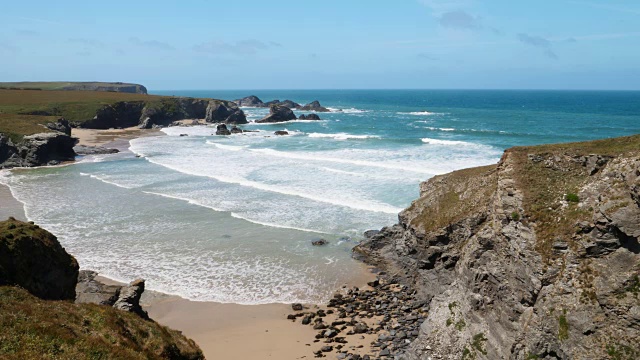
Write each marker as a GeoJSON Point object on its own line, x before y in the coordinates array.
{"type": "Point", "coordinates": [607, 36]}
{"type": "Point", "coordinates": [634, 11]}
{"type": "Point", "coordinates": [38, 20]}
{"type": "Point", "coordinates": [243, 47]}
{"type": "Point", "coordinates": [539, 42]}
{"type": "Point", "coordinates": [460, 20]}
{"type": "Point", "coordinates": [426, 56]}
{"type": "Point", "coordinates": [27, 33]}
{"type": "Point", "coordinates": [151, 44]}
{"type": "Point", "coordinates": [86, 42]}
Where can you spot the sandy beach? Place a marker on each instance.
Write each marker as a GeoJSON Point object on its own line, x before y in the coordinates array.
{"type": "Point", "coordinates": [223, 331]}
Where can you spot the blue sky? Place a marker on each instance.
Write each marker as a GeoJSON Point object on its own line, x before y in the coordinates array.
{"type": "Point", "coordinates": [277, 44]}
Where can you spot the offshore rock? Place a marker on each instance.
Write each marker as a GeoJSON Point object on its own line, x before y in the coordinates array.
{"type": "Point", "coordinates": [93, 150]}
{"type": "Point", "coordinates": [249, 101]}
{"type": "Point", "coordinates": [278, 113]}
{"type": "Point", "coordinates": [222, 130]}
{"type": "Point", "coordinates": [224, 112]}
{"type": "Point", "coordinates": [314, 106]}
{"type": "Point", "coordinates": [309, 117]}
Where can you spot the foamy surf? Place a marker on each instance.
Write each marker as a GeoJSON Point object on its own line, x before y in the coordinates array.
{"type": "Point", "coordinates": [343, 136]}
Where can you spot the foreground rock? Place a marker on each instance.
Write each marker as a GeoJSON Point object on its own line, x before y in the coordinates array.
{"type": "Point", "coordinates": [35, 150]}
{"type": "Point", "coordinates": [34, 327]}
{"type": "Point", "coordinates": [33, 259]}
{"type": "Point", "coordinates": [535, 258]}
{"type": "Point", "coordinates": [281, 132]}
{"type": "Point", "coordinates": [314, 106]}
{"type": "Point", "coordinates": [278, 113]}
{"type": "Point", "coordinates": [93, 150]}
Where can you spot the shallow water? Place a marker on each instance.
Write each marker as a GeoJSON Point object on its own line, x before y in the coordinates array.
{"type": "Point", "coordinates": [231, 219]}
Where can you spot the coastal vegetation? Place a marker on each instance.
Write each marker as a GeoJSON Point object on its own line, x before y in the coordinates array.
{"type": "Point", "coordinates": [40, 320]}
{"type": "Point", "coordinates": [75, 85]}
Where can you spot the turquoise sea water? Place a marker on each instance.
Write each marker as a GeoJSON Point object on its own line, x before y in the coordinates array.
{"type": "Point", "coordinates": [231, 218]}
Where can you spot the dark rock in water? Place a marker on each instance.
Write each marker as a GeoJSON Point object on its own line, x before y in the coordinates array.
{"type": "Point", "coordinates": [290, 104]}
{"type": "Point", "coordinates": [62, 126]}
{"type": "Point", "coordinates": [314, 106]}
{"type": "Point", "coordinates": [33, 259]}
{"type": "Point", "coordinates": [281, 132]}
{"type": "Point", "coordinates": [184, 135]}
{"type": "Point", "coordinates": [224, 112]}
{"type": "Point", "coordinates": [129, 298]}
{"type": "Point", "coordinates": [297, 307]}
{"type": "Point", "coordinates": [319, 242]}
{"type": "Point", "coordinates": [272, 102]}
{"type": "Point", "coordinates": [309, 117]}
{"type": "Point", "coordinates": [222, 130]}
{"type": "Point", "coordinates": [371, 233]}
{"type": "Point", "coordinates": [147, 123]}
{"type": "Point", "coordinates": [89, 290]}
{"type": "Point", "coordinates": [250, 101]}
{"type": "Point", "coordinates": [93, 150]}
{"type": "Point", "coordinates": [278, 114]}
{"type": "Point", "coordinates": [236, 130]}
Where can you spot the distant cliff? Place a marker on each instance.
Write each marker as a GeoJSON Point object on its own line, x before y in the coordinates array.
{"type": "Point", "coordinates": [75, 86]}
{"type": "Point", "coordinates": [535, 258]}
{"type": "Point", "coordinates": [35, 126]}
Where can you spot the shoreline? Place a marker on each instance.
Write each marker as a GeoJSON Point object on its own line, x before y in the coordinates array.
{"type": "Point", "coordinates": [222, 330]}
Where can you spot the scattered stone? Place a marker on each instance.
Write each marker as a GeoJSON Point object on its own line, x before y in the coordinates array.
{"type": "Point", "coordinates": [184, 135]}
{"type": "Point", "coordinates": [297, 307]}
{"type": "Point", "coordinates": [319, 242]}
{"type": "Point", "coordinates": [236, 130]}
{"type": "Point", "coordinates": [281, 132]}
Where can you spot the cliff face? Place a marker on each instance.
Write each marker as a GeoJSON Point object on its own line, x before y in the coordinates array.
{"type": "Point", "coordinates": [164, 112]}
{"type": "Point", "coordinates": [535, 258]}
{"type": "Point", "coordinates": [38, 149]}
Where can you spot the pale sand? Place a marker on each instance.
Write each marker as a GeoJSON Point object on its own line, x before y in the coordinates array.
{"type": "Point", "coordinates": [95, 137]}
{"type": "Point", "coordinates": [9, 206]}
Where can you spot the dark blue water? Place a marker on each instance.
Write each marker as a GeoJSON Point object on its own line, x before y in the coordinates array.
{"type": "Point", "coordinates": [500, 118]}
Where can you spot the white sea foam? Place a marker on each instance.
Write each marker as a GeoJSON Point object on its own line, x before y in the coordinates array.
{"type": "Point", "coordinates": [447, 142]}
{"type": "Point", "coordinates": [348, 110]}
{"type": "Point", "coordinates": [419, 113]}
{"type": "Point", "coordinates": [105, 181]}
{"type": "Point", "coordinates": [343, 136]}
{"type": "Point", "coordinates": [286, 122]}
{"type": "Point", "coordinates": [227, 147]}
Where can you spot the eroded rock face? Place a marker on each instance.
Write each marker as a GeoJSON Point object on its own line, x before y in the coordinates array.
{"type": "Point", "coordinates": [250, 101]}
{"type": "Point", "coordinates": [32, 258]}
{"type": "Point", "coordinates": [222, 130]}
{"type": "Point", "coordinates": [61, 125]}
{"type": "Point", "coordinates": [129, 298]}
{"type": "Point", "coordinates": [36, 150]}
{"type": "Point", "coordinates": [314, 106]}
{"type": "Point", "coordinates": [89, 290]}
{"type": "Point", "coordinates": [278, 113]}
{"type": "Point", "coordinates": [218, 112]}
{"type": "Point", "coordinates": [511, 269]}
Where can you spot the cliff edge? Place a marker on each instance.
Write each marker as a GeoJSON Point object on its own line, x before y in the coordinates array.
{"type": "Point", "coordinates": [536, 257]}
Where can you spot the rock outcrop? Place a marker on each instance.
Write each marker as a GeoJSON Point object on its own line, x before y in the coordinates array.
{"type": "Point", "coordinates": [249, 101]}
{"type": "Point", "coordinates": [129, 298]}
{"type": "Point", "coordinates": [35, 150]}
{"type": "Point", "coordinates": [91, 291]}
{"type": "Point", "coordinates": [535, 258]}
{"type": "Point", "coordinates": [278, 113]}
{"type": "Point", "coordinates": [222, 130]}
{"type": "Point", "coordinates": [93, 150]}
{"type": "Point", "coordinates": [218, 112]}
{"type": "Point", "coordinates": [314, 106]}
{"type": "Point", "coordinates": [61, 125]}
{"type": "Point", "coordinates": [309, 117]}
{"type": "Point", "coordinates": [32, 258]}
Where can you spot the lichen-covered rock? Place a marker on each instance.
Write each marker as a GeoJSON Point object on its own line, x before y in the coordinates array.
{"type": "Point", "coordinates": [32, 258]}
{"type": "Point", "coordinates": [535, 258]}
{"type": "Point", "coordinates": [91, 291]}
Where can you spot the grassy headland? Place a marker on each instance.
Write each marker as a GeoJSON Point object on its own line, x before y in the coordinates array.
{"type": "Point", "coordinates": [75, 85]}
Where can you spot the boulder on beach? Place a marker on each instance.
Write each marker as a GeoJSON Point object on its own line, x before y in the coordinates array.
{"type": "Point", "coordinates": [319, 242]}
{"type": "Point", "coordinates": [281, 132]}
{"type": "Point", "coordinates": [309, 117]}
{"type": "Point", "coordinates": [249, 101]}
{"type": "Point", "coordinates": [278, 113]}
{"type": "Point", "coordinates": [314, 106]}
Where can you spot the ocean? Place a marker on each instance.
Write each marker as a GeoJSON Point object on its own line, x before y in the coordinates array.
{"type": "Point", "coordinates": [231, 218]}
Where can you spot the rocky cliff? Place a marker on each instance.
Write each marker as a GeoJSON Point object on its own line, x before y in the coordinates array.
{"type": "Point", "coordinates": [164, 112]}
{"type": "Point", "coordinates": [534, 258]}
{"type": "Point", "coordinates": [49, 148]}
{"type": "Point", "coordinates": [34, 271]}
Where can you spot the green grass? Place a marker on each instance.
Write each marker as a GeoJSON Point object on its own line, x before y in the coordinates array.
{"type": "Point", "coordinates": [563, 327]}
{"type": "Point", "coordinates": [61, 85]}
{"type": "Point", "coordinates": [38, 329]}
